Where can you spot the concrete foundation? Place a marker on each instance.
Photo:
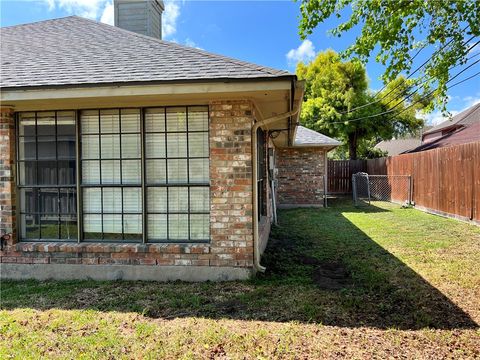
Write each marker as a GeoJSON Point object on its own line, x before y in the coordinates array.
{"type": "Point", "coordinates": [122, 272]}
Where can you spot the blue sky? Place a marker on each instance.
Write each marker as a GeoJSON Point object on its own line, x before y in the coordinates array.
{"type": "Point", "coordinates": [263, 32]}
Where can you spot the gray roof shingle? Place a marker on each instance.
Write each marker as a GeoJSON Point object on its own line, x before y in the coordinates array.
{"type": "Point", "coordinates": [74, 51]}
{"type": "Point", "coordinates": [398, 146]}
{"type": "Point", "coordinates": [307, 137]}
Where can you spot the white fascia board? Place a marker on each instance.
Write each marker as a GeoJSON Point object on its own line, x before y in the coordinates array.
{"type": "Point", "coordinates": [141, 90]}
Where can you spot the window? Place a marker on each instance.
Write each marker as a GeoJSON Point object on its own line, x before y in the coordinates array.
{"type": "Point", "coordinates": [177, 174]}
{"type": "Point", "coordinates": [46, 173]}
{"type": "Point", "coordinates": [143, 175]}
{"type": "Point", "coordinates": [111, 174]}
{"type": "Point", "coordinates": [261, 174]}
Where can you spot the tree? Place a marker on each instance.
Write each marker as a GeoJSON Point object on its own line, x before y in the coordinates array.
{"type": "Point", "coordinates": [392, 27]}
{"type": "Point", "coordinates": [365, 150]}
{"type": "Point", "coordinates": [334, 87]}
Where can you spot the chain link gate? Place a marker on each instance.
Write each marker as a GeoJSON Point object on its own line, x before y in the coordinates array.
{"type": "Point", "coordinates": [392, 188]}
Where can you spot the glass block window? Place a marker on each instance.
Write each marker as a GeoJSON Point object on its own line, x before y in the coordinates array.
{"type": "Point", "coordinates": [111, 157]}
{"type": "Point", "coordinates": [177, 174]}
{"type": "Point", "coordinates": [47, 176]}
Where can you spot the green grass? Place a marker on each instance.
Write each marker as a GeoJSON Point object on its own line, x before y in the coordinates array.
{"type": "Point", "coordinates": [412, 287]}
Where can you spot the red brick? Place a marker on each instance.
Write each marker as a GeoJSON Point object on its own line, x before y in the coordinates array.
{"type": "Point", "coordinates": [90, 261]}
{"type": "Point", "coordinates": [44, 260]}
{"type": "Point", "coordinates": [148, 261]}
{"type": "Point", "coordinates": [305, 166]}
{"type": "Point", "coordinates": [24, 260]}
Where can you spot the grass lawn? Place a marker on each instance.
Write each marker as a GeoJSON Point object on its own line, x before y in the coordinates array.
{"type": "Point", "coordinates": [342, 282]}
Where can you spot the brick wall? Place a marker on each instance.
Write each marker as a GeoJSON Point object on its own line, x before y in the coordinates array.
{"type": "Point", "coordinates": [231, 224]}
{"type": "Point", "coordinates": [7, 180]}
{"type": "Point", "coordinates": [300, 176]}
{"type": "Point", "coordinates": [231, 183]}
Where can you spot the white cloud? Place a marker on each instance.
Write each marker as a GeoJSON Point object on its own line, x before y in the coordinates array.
{"type": "Point", "coordinates": [471, 100]}
{"type": "Point", "coordinates": [86, 8]}
{"type": "Point", "coordinates": [108, 14]}
{"type": "Point", "coordinates": [103, 10]}
{"type": "Point", "coordinates": [436, 117]}
{"type": "Point", "coordinates": [304, 53]}
{"type": "Point", "coordinates": [189, 42]}
{"type": "Point", "coordinates": [170, 18]}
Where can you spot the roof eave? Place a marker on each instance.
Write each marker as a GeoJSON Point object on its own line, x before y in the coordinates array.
{"type": "Point", "coordinates": [290, 77]}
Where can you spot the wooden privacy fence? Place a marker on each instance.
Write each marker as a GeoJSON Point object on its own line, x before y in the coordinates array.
{"type": "Point", "coordinates": [339, 180]}
{"type": "Point", "coordinates": [444, 180]}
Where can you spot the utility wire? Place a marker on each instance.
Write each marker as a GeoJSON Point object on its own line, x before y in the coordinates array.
{"type": "Point", "coordinates": [392, 109]}
{"type": "Point", "coordinates": [431, 92]}
{"type": "Point", "coordinates": [426, 80]}
{"type": "Point", "coordinates": [410, 75]}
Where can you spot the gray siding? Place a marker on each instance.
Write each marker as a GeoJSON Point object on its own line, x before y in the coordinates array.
{"type": "Point", "coordinates": [140, 16]}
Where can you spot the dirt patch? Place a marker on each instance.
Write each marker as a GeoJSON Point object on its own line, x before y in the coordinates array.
{"type": "Point", "coordinates": [308, 260]}
{"type": "Point", "coordinates": [230, 307]}
{"type": "Point", "coordinates": [331, 276]}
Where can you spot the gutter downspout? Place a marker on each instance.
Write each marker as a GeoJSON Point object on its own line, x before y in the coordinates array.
{"type": "Point", "coordinates": [255, 127]}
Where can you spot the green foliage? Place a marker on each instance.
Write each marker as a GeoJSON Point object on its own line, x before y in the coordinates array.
{"type": "Point", "coordinates": [334, 88]}
{"type": "Point", "coordinates": [365, 150]}
{"type": "Point", "coordinates": [390, 30]}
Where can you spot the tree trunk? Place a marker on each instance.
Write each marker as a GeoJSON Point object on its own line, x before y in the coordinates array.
{"type": "Point", "coordinates": [352, 145]}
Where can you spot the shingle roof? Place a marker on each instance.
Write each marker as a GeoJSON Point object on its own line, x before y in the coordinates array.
{"type": "Point", "coordinates": [75, 51]}
{"type": "Point", "coordinates": [463, 135]}
{"type": "Point", "coordinates": [398, 146]}
{"type": "Point", "coordinates": [307, 137]}
{"type": "Point", "coordinates": [466, 117]}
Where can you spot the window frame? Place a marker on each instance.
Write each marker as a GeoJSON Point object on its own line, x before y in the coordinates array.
{"type": "Point", "coordinates": [120, 185]}
{"type": "Point", "coordinates": [262, 153]}
{"type": "Point", "coordinates": [38, 187]}
{"type": "Point", "coordinates": [79, 186]}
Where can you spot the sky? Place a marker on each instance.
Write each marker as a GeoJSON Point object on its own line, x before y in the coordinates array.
{"type": "Point", "coordinates": [262, 32]}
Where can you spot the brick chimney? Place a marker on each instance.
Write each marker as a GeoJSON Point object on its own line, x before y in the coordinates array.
{"type": "Point", "coordinates": [140, 16]}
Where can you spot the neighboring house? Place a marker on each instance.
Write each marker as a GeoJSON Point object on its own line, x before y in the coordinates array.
{"type": "Point", "coordinates": [461, 129]}
{"type": "Point", "coordinates": [398, 146]}
{"type": "Point", "coordinates": [301, 169]}
{"type": "Point", "coordinates": [125, 156]}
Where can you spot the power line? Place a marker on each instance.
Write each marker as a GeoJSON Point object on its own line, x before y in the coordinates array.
{"type": "Point", "coordinates": [426, 80]}
{"type": "Point", "coordinates": [431, 92]}
{"type": "Point", "coordinates": [410, 75]}
{"type": "Point", "coordinates": [416, 102]}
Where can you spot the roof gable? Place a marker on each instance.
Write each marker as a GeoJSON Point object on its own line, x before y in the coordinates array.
{"type": "Point", "coordinates": [398, 146]}
{"type": "Point", "coordinates": [76, 51]}
{"type": "Point", "coordinates": [465, 118]}
{"type": "Point", "coordinates": [307, 137]}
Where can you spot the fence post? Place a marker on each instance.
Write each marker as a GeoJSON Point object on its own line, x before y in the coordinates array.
{"type": "Point", "coordinates": [368, 189]}
{"type": "Point", "coordinates": [410, 188]}
{"type": "Point", "coordinates": [325, 190]}
{"type": "Point", "coordinates": [354, 190]}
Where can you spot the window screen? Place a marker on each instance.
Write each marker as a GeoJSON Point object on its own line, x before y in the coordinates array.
{"type": "Point", "coordinates": [46, 173]}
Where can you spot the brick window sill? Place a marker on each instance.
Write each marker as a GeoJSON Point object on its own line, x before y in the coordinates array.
{"type": "Point", "coordinates": [51, 247]}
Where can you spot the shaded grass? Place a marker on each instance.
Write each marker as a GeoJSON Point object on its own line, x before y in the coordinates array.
{"type": "Point", "coordinates": [414, 287]}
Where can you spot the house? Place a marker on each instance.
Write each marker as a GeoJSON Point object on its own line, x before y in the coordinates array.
{"type": "Point", "coordinates": [461, 129]}
{"type": "Point", "coordinates": [398, 146]}
{"type": "Point", "coordinates": [123, 156]}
